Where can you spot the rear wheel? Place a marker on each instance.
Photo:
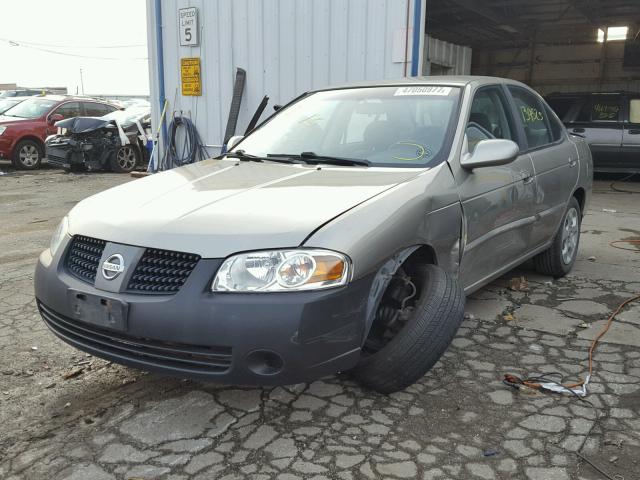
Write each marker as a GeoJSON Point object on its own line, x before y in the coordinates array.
{"type": "Point", "coordinates": [27, 155]}
{"type": "Point", "coordinates": [559, 258]}
{"type": "Point", "coordinates": [125, 159]}
{"type": "Point", "coordinates": [418, 317]}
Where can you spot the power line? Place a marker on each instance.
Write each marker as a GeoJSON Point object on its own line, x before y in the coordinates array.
{"type": "Point", "coordinates": [73, 47]}
{"type": "Point", "coordinates": [17, 44]}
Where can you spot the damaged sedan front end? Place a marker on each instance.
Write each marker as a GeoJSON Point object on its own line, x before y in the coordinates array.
{"type": "Point", "coordinates": [115, 142]}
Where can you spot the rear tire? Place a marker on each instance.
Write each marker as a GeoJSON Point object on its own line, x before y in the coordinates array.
{"type": "Point", "coordinates": [559, 258]}
{"type": "Point", "coordinates": [436, 316]}
{"type": "Point", "coordinates": [27, 155]}
{"type": "Point", "coordinates": [125, 160]}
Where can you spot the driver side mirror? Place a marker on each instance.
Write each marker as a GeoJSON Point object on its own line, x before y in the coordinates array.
{"type": "Point", "coordinates": [56, 117]}
{"type": "Point", "coordinates": [233, 141]}
{"type": "Point", "coordinates": [490, 153]}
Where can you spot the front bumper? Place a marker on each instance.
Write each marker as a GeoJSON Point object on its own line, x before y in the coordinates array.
{"type": "Point", "coordinates": [248, 339]}
{"type": "Point", "coordinates": [5, 147]}
{"type": "Point", "coordinates": [64, 156]}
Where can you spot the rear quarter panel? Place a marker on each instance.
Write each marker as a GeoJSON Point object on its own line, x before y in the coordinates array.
{"type": "Point", "coordinates": [586, 168]}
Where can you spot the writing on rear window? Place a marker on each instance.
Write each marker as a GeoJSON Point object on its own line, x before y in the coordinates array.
{"type": "Point", "coordinates": [603, 111]}
{"type": "Point", "coordinates": [531, 114]}
{"type": "Point", "coordinates": [423, 91]}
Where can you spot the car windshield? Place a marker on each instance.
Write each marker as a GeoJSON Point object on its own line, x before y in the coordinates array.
{"type": "Point", "coordinates": [399, 126]}
{"type": "Point", "coordinates": [31, 108]}
{"type": "Point", "coordinates": [7, 103]}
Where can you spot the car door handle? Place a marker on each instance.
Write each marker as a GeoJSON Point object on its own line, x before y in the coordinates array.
{"type": "Point", "coordinates": [527, 177]}
{"type": "Point", "coordinates": [573, 162]}
{"type": "Point", "coordinates": [578, 130]}
{"type": "Point", "coordinates": [634, 132]}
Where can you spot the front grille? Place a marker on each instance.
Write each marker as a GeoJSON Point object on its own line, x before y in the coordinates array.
{"type": "Point", "coordinates": [162, 271]}
{"type": "Point", "coordinates": [83, 257]}
{"type": "Point", "coordinates": [194, 358]}
{"type": "Point", "coordinates": [56, 160]}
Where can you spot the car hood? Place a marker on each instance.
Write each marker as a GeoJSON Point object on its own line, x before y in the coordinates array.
{"type": "Point", "coordinates": [85, 124]}
{"type": "Point", "coordinates": [218, 207]}
{"type": "Point", "coordinates": [6, 120]}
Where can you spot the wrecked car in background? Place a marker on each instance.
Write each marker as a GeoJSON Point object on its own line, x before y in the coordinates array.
{"type": "Point", "coordinates": [25, 126]}
{"type": "Point", "coordinates": [116, 141]}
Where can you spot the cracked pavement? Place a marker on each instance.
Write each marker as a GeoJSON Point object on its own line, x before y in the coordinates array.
{"type": "Point", "coordinates": [69, 416]}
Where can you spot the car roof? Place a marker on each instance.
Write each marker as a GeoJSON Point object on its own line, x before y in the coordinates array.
{"type": "Point", "coordinates": [63, 98]}
{"type": "Point", "coordinates": [448, 80]}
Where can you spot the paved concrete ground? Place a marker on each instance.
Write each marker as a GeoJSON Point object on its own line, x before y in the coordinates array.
{"type": "Point", "coordinates": [459, 421]}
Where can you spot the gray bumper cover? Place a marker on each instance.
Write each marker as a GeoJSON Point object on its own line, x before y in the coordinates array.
{"type": "Point", "coordinates": [228, 338]}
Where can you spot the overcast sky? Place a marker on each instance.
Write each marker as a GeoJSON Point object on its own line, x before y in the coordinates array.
{"type": "Point", "coordinates": [75, 27]}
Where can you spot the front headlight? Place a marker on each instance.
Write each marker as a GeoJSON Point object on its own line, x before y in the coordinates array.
{"type": "Point", "coordinates": [281, 271]}
{"type": "Point", "coordinates": [58, 235]}
{"type": "Point", "coordinates": [2, 129]}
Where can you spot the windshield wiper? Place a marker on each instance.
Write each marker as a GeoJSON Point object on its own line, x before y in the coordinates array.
{"type": "Point", "coordinates": [242, 155]}
{"type": "Point", "coordinates": [314, 158]}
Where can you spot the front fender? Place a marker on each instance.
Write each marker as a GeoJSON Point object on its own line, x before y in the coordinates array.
{"type": "Point", "coordinates": [423, 211]}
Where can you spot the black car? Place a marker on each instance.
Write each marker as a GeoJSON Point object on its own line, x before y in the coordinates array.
{"type": "Point", "coordinates": [609, 121]}
{"type": "Point", "coordinates": [116, 141]}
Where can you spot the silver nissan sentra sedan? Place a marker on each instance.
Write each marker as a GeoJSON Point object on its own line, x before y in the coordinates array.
{"type": "Point", "coordinates": [341, 235]}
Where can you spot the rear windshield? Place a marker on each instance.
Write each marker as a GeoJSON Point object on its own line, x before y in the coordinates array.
{"type": "Point", "coordinates": [399, 126]}
{"type": "Point", "coordinates": [31, 108]}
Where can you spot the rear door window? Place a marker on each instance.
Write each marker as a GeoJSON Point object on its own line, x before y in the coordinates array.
{"type": "Point", "coordinates": [532, 115]}
{"type": "Point", "coordinates": [96, 109]}
{"type": "Point", "coordinates": [69, 110]}
{"type": "Point", "coordinates": [557, 128]}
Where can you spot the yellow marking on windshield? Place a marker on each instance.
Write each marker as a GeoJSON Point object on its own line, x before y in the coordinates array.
{"type": "Point", "coordinates": [421, 149]}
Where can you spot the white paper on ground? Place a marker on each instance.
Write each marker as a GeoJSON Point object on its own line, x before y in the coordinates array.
{"type": "Point", "coordinates": [555, 387]}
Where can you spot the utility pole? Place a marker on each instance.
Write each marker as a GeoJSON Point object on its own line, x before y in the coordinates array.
{"type": "Point", "coordinates": [81, 82]}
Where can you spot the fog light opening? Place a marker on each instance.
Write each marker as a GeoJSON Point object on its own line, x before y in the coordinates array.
{"type": "Point", "coordinates": [264, 362]}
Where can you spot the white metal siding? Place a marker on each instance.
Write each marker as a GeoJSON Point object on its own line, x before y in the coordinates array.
{"type": "Point", "coordinates": [455, 57]}
{"type": "Point", "coordinates": [286, 46]}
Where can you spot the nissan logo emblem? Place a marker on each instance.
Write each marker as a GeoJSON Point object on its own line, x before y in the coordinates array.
{"type": "Point", "coordinates": [113, 266]}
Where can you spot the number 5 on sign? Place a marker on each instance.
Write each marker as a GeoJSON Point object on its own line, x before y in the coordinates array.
{"type": "Point", "coordinates": [188, 26]}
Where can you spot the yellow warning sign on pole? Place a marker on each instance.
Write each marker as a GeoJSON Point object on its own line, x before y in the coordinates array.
{"type": "Point", "coordinates": [190, 74]}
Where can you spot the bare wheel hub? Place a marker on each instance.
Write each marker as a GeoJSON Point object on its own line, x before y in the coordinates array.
{"type": "Point", "coordinates": [393, 313]}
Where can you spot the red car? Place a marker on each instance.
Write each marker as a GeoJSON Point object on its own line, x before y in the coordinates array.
{"type": "Point", "coordinates": [24, 127]}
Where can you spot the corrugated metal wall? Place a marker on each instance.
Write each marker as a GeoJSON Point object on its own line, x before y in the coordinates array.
{"type": "Point", "coordinates": [561, 68]}
{"type": "Point", "coordinates": [286, 46]}
{"type": "Point", "coordinates": [455, 58]}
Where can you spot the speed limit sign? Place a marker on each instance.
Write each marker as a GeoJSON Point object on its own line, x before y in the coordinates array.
{"type": "Point", "coordinates": [188, 26]}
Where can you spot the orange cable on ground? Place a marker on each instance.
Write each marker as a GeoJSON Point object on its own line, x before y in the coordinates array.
{"type": "Point", "coordinates": [594, 344]}
{"type": "Point", "coordinates": [514, 380]}
{"type": "Point", "coordinates": [634, 241]}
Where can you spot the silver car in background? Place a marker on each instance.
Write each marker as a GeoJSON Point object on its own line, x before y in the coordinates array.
{"type": "Point", "coordinates": [340, 235]}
